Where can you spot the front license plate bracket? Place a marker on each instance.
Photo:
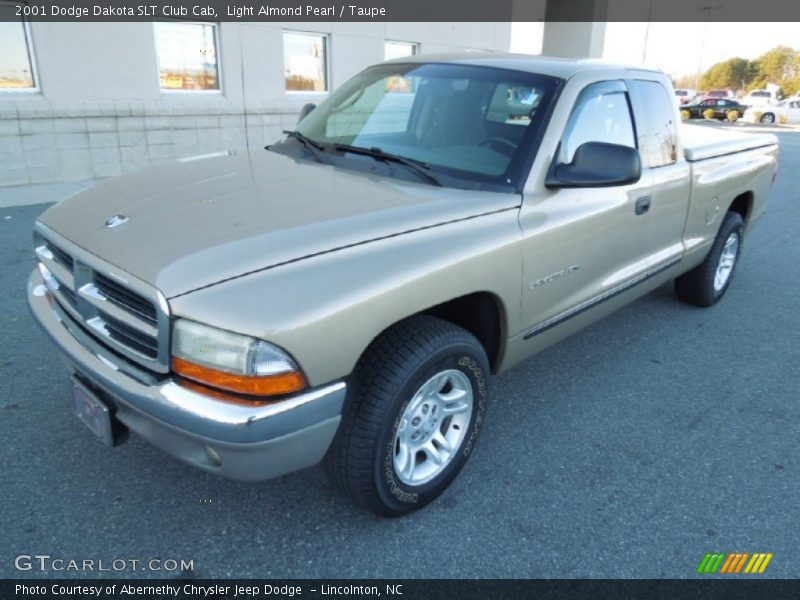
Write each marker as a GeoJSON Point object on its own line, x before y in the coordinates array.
{"type": "Point", "coordinates": [96, 414]}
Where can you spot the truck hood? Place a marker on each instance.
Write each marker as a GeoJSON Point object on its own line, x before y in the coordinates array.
{"type": "Point", "coordinates": [195, 222]}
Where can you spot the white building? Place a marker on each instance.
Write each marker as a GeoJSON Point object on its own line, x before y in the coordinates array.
{"type": "Point", "coordinates": [82, 101]}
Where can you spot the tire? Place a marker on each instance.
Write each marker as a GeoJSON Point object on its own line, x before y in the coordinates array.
{"type": "Point", "coordinates": [378, 419]}
{"type": "Point", "coordinates": [707, 283]}
{"type": "Point", "coordinates": [768, 118]}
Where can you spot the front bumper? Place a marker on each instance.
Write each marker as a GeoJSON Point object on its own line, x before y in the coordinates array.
{"type": "Point", "coordinates": [239, 441]}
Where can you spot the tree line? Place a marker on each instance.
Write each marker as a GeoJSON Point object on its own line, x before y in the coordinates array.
{"type": "Point", "coordinates": [780, 66]}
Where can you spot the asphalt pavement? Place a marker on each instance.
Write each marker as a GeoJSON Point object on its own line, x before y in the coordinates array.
{"type": "Point", "coordinates": [629, 450]}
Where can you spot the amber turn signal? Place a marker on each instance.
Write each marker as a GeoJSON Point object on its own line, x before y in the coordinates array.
{"type": "Point", "coordinates": [269, 385]}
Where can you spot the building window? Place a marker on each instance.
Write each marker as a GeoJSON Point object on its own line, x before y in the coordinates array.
{"type": "Point", "coordinates": [187, 56]}
{"type": "Point", "coordinates": [392, 50]}
{"type": "Point", "coordinates": [17, 72]}
{"type": "Point", "coordinates": [305, 62]}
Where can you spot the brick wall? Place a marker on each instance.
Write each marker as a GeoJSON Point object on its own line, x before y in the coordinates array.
{"type": "Point", "coordinates": [43, 142]}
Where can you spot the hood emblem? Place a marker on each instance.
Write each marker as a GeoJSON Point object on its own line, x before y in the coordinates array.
{"type": "Point", "coordinates": [116, 221]}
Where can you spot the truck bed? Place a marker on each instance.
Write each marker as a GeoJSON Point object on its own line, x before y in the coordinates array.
{"type": "Point", "coordinates": [701, 142]}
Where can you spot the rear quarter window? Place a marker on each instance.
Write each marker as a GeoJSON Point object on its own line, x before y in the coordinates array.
{"type": "Point", "coordinates": [655, 123]}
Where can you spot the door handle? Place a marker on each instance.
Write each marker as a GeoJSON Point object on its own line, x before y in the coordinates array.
{"type": "Point", "coordinates": [642, 205]}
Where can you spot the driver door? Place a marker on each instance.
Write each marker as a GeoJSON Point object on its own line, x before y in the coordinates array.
{"type": "Point", "coordinates": [582, 243]}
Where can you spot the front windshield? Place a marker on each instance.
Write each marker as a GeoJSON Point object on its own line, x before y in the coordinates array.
{"type": "Point", "coordinates": [470, 125]}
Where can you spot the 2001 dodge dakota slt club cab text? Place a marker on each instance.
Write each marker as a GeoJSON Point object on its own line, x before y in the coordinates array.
{"type": "Point", "coordinates": [347, 293]}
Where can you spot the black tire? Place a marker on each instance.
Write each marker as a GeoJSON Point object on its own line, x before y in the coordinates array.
{"type": "Point", "coordinates": [697, 286]}
{"type": "Point", "coordinates": [360, 460]}
{"type": "Point", "coordinates": [768, 118]}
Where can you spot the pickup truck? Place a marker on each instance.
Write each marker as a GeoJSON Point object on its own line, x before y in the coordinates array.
{"type": "Point", "coordinates": [347, 294]}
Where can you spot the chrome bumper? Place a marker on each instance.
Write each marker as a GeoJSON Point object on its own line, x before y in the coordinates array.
{"type": "Point", "coordinates": [233, 440]}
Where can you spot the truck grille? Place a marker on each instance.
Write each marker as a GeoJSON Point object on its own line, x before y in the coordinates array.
{"type": "Point", "coordinates": [125, 298]}
{"type": "Point", "coordinates": [68, 295]}
{"type": "Point", "coordinates": [62, 258]}
{"type": "Point", "coordinates": [122, 313]}
{"type": "Point", "coordinates": [130, 336]}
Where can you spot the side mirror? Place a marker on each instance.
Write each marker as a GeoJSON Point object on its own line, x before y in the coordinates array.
{"type": "Point", "coordinates": [597, 164]}
{"type": "Point", "coordinates": [305, 110]}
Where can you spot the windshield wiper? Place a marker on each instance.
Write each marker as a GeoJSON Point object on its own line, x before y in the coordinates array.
{"type": "Point", "coordinates": [419, 167]}
{"type": "Point", "coordinates": [311, 145]}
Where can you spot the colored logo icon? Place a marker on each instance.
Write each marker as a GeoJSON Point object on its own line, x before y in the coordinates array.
{"type": "Point", "coordinates": [734, 563]}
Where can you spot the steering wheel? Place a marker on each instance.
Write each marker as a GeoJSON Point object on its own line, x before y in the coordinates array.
{"type": "Point", "coordinates": [501, 144]}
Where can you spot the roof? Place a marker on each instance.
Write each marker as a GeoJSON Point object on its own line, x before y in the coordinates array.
{"type": "Point", "coordinates": [563, 68]}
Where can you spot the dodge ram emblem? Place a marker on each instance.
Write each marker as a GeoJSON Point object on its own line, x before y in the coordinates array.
{"type": "Point", "coordinates": [116, 221]}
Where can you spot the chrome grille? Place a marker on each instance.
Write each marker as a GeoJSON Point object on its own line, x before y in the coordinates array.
{"type": "Point", "coordinates": [68, 295]}
{"type": "Point", "coordinates": [125, 298]}
{"type": "Point", "coordinates": [130, 336]}
{"type": "Point", "coordinates": [122, 313]}
{"type": "Point", "coordinates": [64, 259]}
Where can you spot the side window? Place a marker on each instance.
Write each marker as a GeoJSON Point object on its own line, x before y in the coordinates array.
{"type": "Point", "coordinates": [655, 119]}
{"type": "Point", "coordinates": [601, 114]}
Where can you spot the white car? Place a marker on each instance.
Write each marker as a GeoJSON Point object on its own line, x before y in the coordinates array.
{"type": "Point", "coordinates": [760, 98]}
{"type": "Point", "coordinates": [684, 96]}
{"type": "Point", "coordinates": [786, 111]}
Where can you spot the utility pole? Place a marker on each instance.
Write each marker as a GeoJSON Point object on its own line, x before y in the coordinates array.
{"type": "Point", "coordinates": [702, 51]}
{"type": "Point", "coordinates": [647, 32]}
{"type": "Point", "coordinates": [705, 10]}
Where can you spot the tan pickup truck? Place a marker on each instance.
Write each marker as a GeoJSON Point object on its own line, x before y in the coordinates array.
{"type": "Point", "coordinates": [347, 293]}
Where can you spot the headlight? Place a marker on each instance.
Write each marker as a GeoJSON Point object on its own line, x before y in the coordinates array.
{"type": "Point", "coordinates": [231, 361]}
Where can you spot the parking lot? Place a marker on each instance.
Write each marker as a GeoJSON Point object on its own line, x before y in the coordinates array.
{"type": "Point", "coordinates": [629, 450]}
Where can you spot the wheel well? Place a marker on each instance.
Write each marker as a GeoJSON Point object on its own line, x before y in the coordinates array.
{"type": "Point", "coordinates": [482, 315]}
{"type": "Point", "coordinates": [742, 205]}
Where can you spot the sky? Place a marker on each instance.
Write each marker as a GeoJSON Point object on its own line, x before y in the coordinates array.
{"type": "Point", "coordinates": [677, 48]}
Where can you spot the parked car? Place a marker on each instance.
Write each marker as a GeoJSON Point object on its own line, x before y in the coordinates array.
{"type": "Point", "coordinates": [786, 111]}
{"type": "Point", "coordinates": [348, 293]}
{"type": "Point", "coordinates": [684, 96]}
{"type": "Point", "coordinates": [760, 98]}
{"type": "Point", "coordinates": [721, 108]}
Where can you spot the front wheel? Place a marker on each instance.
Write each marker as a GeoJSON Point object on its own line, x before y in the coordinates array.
{"type": "Point", "coordinates": [706, 284]}
{"type": "Point", "coordinates": [768, 118]}
{"type": "Point", "coordinates": [417, 406]}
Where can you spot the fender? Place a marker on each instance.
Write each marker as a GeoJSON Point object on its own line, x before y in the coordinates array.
{"type": "Point", "coordinates": [325, 310]}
